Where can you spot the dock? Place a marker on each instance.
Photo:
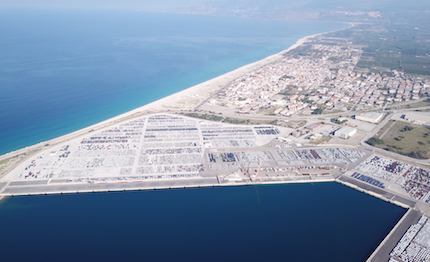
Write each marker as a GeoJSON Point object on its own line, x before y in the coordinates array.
{"type": "Point", "coordinates": [381, 254]}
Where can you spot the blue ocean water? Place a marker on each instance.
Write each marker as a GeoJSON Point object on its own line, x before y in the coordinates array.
{"type": "Point", "coordinates": [301, 222]}
{"type": "Point", "coordinates": [64, 70]}
{"type": "Point", "coordinates": [61, 71]}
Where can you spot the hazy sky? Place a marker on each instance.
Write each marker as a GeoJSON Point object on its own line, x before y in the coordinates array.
{"type": "Point", "coordinates": [161, 4]}
{"type": "Point", "coordinates": [127, 4]}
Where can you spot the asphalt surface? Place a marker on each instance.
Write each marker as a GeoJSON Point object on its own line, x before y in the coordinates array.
{"type": "Point", "coordinates": [37, 189]}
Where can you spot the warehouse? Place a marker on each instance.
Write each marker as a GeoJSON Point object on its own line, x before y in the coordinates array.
{"type": "Point", "coordinates": [372, 117]}
{"type": "Point", "coordinates": [345, 132]}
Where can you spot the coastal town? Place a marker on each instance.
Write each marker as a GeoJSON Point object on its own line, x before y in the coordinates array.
{"type": "Point", "coordinates": [165, 149]}
{"type": "Point", "coordinates": [324, 76]}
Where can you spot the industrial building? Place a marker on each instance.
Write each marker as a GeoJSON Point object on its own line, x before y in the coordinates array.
{"type": "Point", "coordinates": [314, 126]}
{"type": "Point", "coordinates": [418, 118]}
{"type": "Point", "coordinates": [345, 132]}
{"type": "Point", "coordinates": [372, 117]}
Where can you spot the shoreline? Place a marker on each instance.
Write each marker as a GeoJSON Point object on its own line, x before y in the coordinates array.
{"type": "Point", "coordinates": [185, 99]}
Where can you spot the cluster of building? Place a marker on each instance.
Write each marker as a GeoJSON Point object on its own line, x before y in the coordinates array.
{"type": "Point", "coordinates": [414, 246]}
{"type": "Point", "coordinates": [364, 89]}
{"type": "Point", "coordinates": [344, 132]}
{"type": "Point", "coordinates": [309, 128]}
{"type": "Point", "coordinates": [323, 75]}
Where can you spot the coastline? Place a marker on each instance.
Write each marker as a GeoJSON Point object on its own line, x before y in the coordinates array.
{"type": "Point", "coordinates": [183, 100]}
{"type": "Point", "coordinates": [187, 99]}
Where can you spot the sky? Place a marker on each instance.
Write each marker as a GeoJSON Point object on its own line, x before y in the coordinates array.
{"type": "Point", "coordinates": [168, 4]}
{"type": "Point", "coordinates": [99, 4]}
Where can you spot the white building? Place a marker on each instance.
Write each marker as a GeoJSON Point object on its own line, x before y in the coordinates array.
{"type": "Point", "coordinates": [372, 117]}
{"type": "Point", "coordinates": [345, 132]}
{"type": "Point", "coordinates": [418, 118]}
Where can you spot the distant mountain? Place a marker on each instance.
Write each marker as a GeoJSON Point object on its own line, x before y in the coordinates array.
{"type": "Point", "coordinates": [304, 10]}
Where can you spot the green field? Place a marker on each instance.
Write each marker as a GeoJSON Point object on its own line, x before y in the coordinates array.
{"type": "Point", "coordinates": [211, 116]}
{"type": "Point", "coordinates": [322, 140]}
{"type": "Point", "coordinates": [393, 45]}
{"type": "Point", "coordinates": [404, 138]}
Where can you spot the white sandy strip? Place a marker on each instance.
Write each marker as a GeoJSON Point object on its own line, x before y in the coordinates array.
{"type": "Point", "coordinates": [184, 100]}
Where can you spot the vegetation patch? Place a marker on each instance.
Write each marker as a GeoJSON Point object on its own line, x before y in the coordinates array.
{"type": "Point", "coordinates": [323, 139]}
{"type": "Point", "coordinates": [7, 164]}
{"type": "Point", "coordinates": [392, 46]}
{"type": "Point", "coordinates": [338, 121]}
{"type": "Point", "coordinates": [373, 141]}
{"type": "Point", "coordinates": [318, 111]}
{"type": "Point", "coordinates": [211, 116]}
{"type": "Point", "coordinates": [290, 124]}
{"type": "Point", "coordinates": [236, 121]}
{"type": "Point", "coordinates": [404, 138]}
{"type": "Point", "coordinates": [205, 116]}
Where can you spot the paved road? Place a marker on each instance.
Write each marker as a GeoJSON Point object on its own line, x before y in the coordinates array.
{"type": "Point", "coordinates": [34, 189]}
{"type": "Point", "coordinates": [379, 191]}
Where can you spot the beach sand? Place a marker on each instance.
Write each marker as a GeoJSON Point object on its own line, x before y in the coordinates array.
{"type": "Point", "coordinates": [187, 99]}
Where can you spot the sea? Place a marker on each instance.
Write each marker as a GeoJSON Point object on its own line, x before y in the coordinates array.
{"type": "Point", "coordinates": [63, 70]}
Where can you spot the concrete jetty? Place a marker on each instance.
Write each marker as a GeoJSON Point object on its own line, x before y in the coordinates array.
{"type": "Point", "coordinates": [381, 254]}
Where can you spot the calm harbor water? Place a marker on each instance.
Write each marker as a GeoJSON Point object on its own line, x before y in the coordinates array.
{"type": "Point", "coordinates": [296, 222]}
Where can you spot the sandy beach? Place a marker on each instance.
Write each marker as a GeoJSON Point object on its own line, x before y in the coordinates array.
{"type": "Point", "coordinates": [186, 99]}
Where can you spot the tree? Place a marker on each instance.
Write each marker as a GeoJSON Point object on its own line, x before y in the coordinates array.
{"type": "Point", "coordinates": [373, 141]}
{"type": "Point", "coordinates": [317, 111]}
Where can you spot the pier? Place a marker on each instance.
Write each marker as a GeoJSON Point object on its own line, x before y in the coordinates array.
{"type": "Point", "coordinates": [381, 254]}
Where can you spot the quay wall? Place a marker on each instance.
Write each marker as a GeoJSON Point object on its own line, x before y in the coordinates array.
{"type": "Point", "coordinates": [378, 195]}
{"type": "Point", "coordinates": [117, 187]}
{"type": "Point", "coordinates": [382, 252]}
